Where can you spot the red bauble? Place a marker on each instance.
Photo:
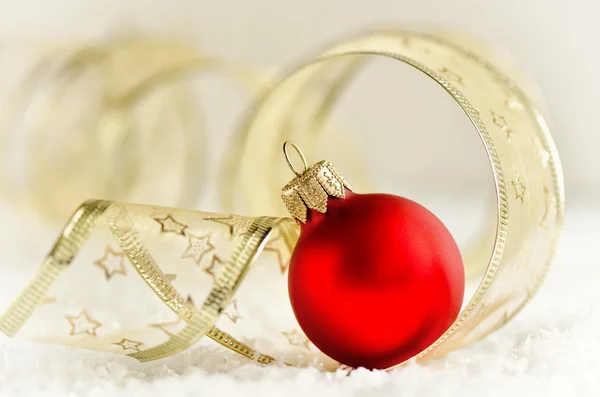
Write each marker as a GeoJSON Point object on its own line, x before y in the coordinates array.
{"type": "Point", "coordinates": [375, 279]}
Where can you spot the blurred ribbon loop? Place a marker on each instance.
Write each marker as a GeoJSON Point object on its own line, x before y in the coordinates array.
{"type": "Point", "coordinates": [112, 120]}
{"type": "Point", "coordinates": [209, 270]}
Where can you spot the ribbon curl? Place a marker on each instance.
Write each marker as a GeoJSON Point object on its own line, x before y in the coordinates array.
{"type": "Point", "coordinates": [150, 281]}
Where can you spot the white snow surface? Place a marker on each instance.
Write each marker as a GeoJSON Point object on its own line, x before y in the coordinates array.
{"type": "Point", "coordinates": [550, 349]}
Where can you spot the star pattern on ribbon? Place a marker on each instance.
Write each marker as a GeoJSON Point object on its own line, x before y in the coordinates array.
{"type": "Point", "coordinates": [198, 247]}
{"type": "Point", "coordinates": [500, 121]}
{"type": "Point", "coordinates": [216, 268]}
{"type": "Point", "coordinates": [541, 152]}
{"type": "Point", "coordinates": [296, 338]}
{"type": "Point", "coordinates": [170, 328]}
{"type": "Point", "coordinates": [451, 75]}
{"type": "Point", "coordinates": [280, 248]}
{"type": "Point", "coordinates": [232, 312]}
{"type": "Point", "coordinates": [237, 224]}
{"type": "Point", "coordinates": [128, 344]}
{"type": "Point", "coordinates": [169, 225]}
{"type": "Point", "coordinates": [519, 188]}
{"type": "Point", "coordinates": [112, 263]}
{"type": "Point", "coordinates": [83, 324]}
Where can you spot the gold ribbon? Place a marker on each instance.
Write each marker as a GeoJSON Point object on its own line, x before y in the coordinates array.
{"type": "Point", "coordinates": [98, 273]}
{"type": "Point", "coordinates": [223, 275]}
{"type": "Point", "coordinates": [525, 167]}
{"type": "Point", "coordinates": [112, 119]}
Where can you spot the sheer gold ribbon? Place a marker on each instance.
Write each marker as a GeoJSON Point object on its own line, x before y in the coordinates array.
{"type": "Point", "coordinates": [150, 281]}
{"type": "Point", "coordinates": [525, 167]}
{"type": "Point", "coordinates": [111, 119]}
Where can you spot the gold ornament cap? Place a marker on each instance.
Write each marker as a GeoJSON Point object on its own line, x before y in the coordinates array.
{"type": "Point", "coordinates": [311, 188]}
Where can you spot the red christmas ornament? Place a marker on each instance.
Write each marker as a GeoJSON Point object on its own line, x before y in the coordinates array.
{"type": "Point", "coordinates": [374, 278]}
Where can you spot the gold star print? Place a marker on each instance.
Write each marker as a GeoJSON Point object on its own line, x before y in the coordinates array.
{"type": "Point", "coordinates": [170, 328]}
{"type": "Point", "coordinates": [500, 121]}
{"type": "Point", "coordinates": [127, 344]}
{"type": "Point", "coordinates": [112, 263]}
{"type": "Point", "coordinates": [83, 324]}
{"type": "Point", "coordinates": [451, 75]}
{"type": "Point", "coordinates": [231, 311]}
{"type": "Point", "coordinates": [519, 189]}
{"type": "Point", "coordinates": [279, 246]}
{"type": "Point", "coordinates": [295, 338]}
{"type": "Point", "coordinates": [198, 247]}
{"type": "Point", "coordinates": [170, 225]}
{"type": "Point", "coordinates": [216, 268]}
{"type": "Point", "coordinates": [237, 224]}
{"type": "Point", "coordinates": [541, 151]}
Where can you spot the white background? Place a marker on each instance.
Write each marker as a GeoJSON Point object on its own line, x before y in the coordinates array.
{"type": "Point", "coordinates": [557, 44]}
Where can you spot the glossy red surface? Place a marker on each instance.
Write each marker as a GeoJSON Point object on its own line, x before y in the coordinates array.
{"type": "Point", "coordinates": [375, 280]}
